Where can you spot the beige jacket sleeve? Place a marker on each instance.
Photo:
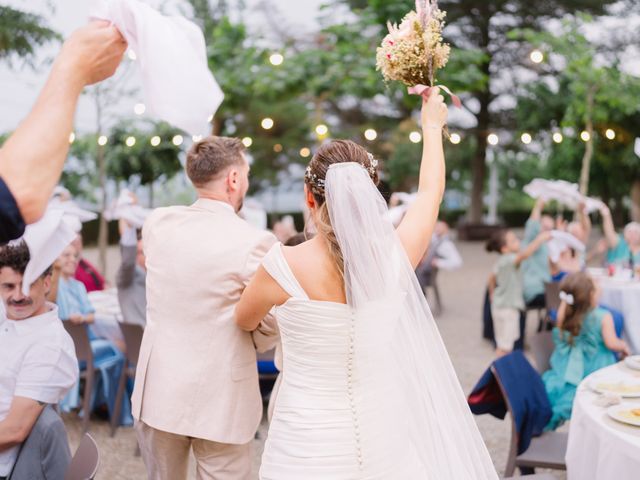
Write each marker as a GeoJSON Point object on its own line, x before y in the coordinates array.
{"type": "Point", "coordinates": [266, 336]}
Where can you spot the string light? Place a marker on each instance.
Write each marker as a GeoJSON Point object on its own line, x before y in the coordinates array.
{"type": "Point", "coordinates": [455, 138]}
{"type": "Point", "coordinates": [536, 56]}
{"type": "Point", "coordinates": [177, 140]}
{"type": "Point", "coordinates": [585, 136]}
{"type": "Point", "coordinates": [415, 136]}
{"type": "Point", "coordinates": [557, 137]}
{"type": "Point", "coordinates": [247, 141]}
{"type": "Point", "coordinates": [267, 123]}
{"type": "Point", "coordinates": [610, 134]}
{"type": "Point", "coordinates": [155, 141]}
{"type": "Point", "coordinates": [526, 138]}
{"type": "Point", "coordinates": [132, 55]}
{"type": "Point", "coordinates": [322, 129]}
{"type": "Point", "coordinates": [102, 140]}
{"type": "Point", "coordinates": [370, 134]}
{"type": "Point", "coordinates": [130, 141]}
{"type": "Point", "coordinates": [139, 108]}
{"type": "Point", "coordinates": [305, 152]}
{"type": "Point", "coordinates": [276, 59]}
{"type": "Point", "coordinates": [72, 137]}
{"type": "Point", "coordinates": [277, 148]}
{"type": "Point", "coordinates": [493, 139]}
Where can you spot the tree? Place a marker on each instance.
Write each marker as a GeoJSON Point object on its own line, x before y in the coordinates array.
{"type": "Point", "coordinates": [144, 162]}
{"type": "Point", "coordinates": [582, 88]}
{"type": "Point", "coordinates": [21, 33]}
{"type": "Point", "coordinates": [482, 27]}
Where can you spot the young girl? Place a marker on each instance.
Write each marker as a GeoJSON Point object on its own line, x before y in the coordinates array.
{"type": "Point", "coordinates": [505, 286]}
{"type": "Point", "coordinates": [585, 339]}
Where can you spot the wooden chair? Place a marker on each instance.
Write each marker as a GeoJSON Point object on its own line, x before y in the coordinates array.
{"type": "Point", "coordinates": [542, 347]}
{"type": "Point", "coordinates": [84, 464]}
{"type": "Point", "coordinates": [80, 338]}
{"type": "Point", "coordinates": [545, 451]}
{"type": "Point", "coordinates": [132, 334]}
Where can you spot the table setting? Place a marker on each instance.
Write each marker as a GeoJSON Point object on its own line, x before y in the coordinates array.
{"type": "Point", "coordinates": [604, 432]}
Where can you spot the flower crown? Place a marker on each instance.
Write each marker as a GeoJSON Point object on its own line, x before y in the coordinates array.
{"type": "Point", "coordinates": [317, 184]}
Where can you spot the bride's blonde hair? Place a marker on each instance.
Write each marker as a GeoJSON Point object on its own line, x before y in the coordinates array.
{"type": "Point", "coordinates": [336, 151]}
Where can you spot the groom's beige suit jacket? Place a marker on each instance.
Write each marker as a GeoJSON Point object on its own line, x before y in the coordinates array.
{"type": "Point", "coordinates": [196, 374]}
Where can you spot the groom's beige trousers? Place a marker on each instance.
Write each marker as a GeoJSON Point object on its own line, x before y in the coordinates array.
{"type": "Point", "coordinates": [166, 456]}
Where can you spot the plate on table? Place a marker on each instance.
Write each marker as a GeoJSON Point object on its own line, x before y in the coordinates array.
{"type": "Point", "coordinates": [633, 362]}
{"type": "Point", "coordinates": [616, 386]}
{"type": "Point", "coordinates": [625, 414]}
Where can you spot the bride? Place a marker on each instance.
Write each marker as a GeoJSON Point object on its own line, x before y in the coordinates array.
{"type": "Point", "coordinates": [368, 390]}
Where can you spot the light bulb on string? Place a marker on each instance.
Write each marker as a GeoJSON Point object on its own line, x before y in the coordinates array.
{"type": "Point", "coordinates": [610, 133]}
{"type": "Point", "coordinates": [322, 129]}
{"type": "Point", "coordinates": [305, 152]}
{"type": "Point", "coordinates": [536, 56]}
{"type": "Point", "coordinates": [585, 136]}
{"type": "Point", "coordinates": [493, 139]}
{"type": "Point", "coordinates": [102, 140]}
{"type": "Point", "coordinates": [130, 141]}
{"type": "Point", "coordinates": [177, 140]}
{"type": "Point", "coordinates": [247, 142]}
{"type": "Point", "coordinates": [276, 59]}
{"type": "Point", "coordinates": [155, 141]}
{"type": "Point", "coordinates": [267, 123]}
{"type": "Point", "coordinates": [415, 136]}
{"type": "Point", "coordinates": [370, 134]}
{"type": "Point", "coordinates": [557, 137]}
{"type": "Point", "coordinates": [525, 138]}
{"type": "Point", "coordinates": [455, 138]}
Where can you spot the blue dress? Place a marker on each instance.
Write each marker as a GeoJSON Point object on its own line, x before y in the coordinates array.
{"type": "Point", "coordinates": [571, 363]}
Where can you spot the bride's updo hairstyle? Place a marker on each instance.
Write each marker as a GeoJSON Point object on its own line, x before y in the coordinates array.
{"type": "Point", "coordinates": [336, 151]}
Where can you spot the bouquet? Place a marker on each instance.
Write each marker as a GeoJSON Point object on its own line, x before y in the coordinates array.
{"type": "Point", "coordinates": [414, 51]}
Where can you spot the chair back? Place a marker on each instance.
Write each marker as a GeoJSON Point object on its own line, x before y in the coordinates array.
{"type": "Point", "coordinates": [551, 295]}
{"type": "Point", "coordinates": [80, 337]}
{"type": "Point", "coordinates": [542, 347]}
{"type": "Point", "coordinates": [45, 449]}
{"type": "Point", "coordinates": [513, 441]}
{"type": "Point", "coordinates": [132, 333]}
{"type": "Point", "coordinates": [84, 463]}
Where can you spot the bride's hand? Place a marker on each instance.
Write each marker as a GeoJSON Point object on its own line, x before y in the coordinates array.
{"type": "Point", "coordinates": [434, 111]}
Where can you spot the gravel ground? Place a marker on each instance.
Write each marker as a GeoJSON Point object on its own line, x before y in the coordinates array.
{"type": "Point", "coordinates": [460, 326]}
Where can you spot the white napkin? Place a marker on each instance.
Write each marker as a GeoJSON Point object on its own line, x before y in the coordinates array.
{"type": "Point", "coordinates": [561, 241]}
{"type": "Point", "coordinates": [124, 208]}
{"type": "Point", "coordinates": [46, 239]}
{"type": "Point", "coordinates": [72, 208]}
{"type": "Point", "coordinates": [562, 191]}
{"type": "Point", "coordinates": [177, 83]}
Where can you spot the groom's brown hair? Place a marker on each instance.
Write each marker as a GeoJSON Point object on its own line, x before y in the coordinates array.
{"type": "Point", "coordinates": [211, 156]}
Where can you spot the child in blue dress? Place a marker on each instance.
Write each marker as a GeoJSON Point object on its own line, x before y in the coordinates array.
{"type": "Point", "coordinates": [585, 341]}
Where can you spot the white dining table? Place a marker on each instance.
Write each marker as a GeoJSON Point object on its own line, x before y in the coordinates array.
{"type": "Point", "coordinates": [107, 315]}
{"type": "Point", "coordinates": [623, 295]}
{"type": "Point", "coordinates": [601, 448]}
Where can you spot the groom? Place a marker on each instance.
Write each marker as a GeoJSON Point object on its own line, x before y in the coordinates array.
{"type": "Point", "coordinates": [196, 381]}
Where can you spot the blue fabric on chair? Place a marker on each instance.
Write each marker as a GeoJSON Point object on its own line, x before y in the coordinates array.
{"type": "Point", "coordinates": [618, 319]}
{"type": "Point", "coordinates": [266, 367]}
{"type": "Point", "coordinates": [525, 391]}
{"type": "Point", "coordinates": [108, 363]}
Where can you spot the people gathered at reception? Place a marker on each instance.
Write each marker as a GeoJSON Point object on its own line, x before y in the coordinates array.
{"type": "Point", "coordinates": [505, 286]}
{"type": "Point", "coordinates": [38, 366]}
{"type": "Point", "coordinates": [585, 341]}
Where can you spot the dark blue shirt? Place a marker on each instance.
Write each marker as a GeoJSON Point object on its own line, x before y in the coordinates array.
{"type": "Point", "coordinates": [11, 222]}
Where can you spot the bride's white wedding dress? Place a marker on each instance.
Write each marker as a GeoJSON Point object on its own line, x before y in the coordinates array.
{"type": "Point", "coordinates": [368, 390]}
{"type": "Point", "coordinates": [320, 428]}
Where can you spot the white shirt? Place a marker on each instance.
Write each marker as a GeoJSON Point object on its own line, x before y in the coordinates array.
{"type": "Point", "coordinates": [37, 361]}
{"type": "Point", "coordinates": [447, 256]}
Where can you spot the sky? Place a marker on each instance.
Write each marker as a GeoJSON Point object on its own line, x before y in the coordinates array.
{"type": "Point", "coordinates": [20, 84]}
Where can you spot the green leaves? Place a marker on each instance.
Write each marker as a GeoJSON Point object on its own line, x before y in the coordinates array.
{"type": "Point", "coordinates": [21, 33]}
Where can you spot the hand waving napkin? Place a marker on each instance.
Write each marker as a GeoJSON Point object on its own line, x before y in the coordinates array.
{"type": "Point", "coordinates": [177, 83]}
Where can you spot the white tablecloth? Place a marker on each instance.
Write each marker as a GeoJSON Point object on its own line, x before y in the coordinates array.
{"type": "Point", "coordinates": [108, 314]}
{"type": "Point", "coordinates": [624, 296]}
{"type": "Point", "coordinates": [601, 448]}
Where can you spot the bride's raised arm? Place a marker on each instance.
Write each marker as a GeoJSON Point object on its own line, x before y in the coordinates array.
{"type": "Point", "coordinates": [417, 225]}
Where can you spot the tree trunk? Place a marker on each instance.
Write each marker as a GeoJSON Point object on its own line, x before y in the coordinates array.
{"type": "Point", "coordinates": [103, 231]}
{"type": "Point", "coordinates": [635, 201]}
{"type": "Point", "coordinates": [479, 161]}
{"type": "Point", "coordinates": [588, 151]}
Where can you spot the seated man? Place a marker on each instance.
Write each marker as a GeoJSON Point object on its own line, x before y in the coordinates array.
{"type": "Point", "coordinates": [38, 363]}
{"type": "Point", "coordinates": [442, 254]}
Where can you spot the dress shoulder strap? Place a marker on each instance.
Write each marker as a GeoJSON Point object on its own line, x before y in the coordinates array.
{"type": "Point", "coordinates": [276, 265]}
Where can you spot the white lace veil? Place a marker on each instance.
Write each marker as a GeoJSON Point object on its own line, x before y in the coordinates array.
{"type": "Point", "coordinates": [399, 354]}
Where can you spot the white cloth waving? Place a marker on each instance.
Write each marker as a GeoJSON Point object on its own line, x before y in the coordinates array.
{"type": "Point", "coordinates": [177, 83]}
{"type": "Point", "coordinates": [561, 191]}
{"type": "Point", "coordinates": [126, 208]}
